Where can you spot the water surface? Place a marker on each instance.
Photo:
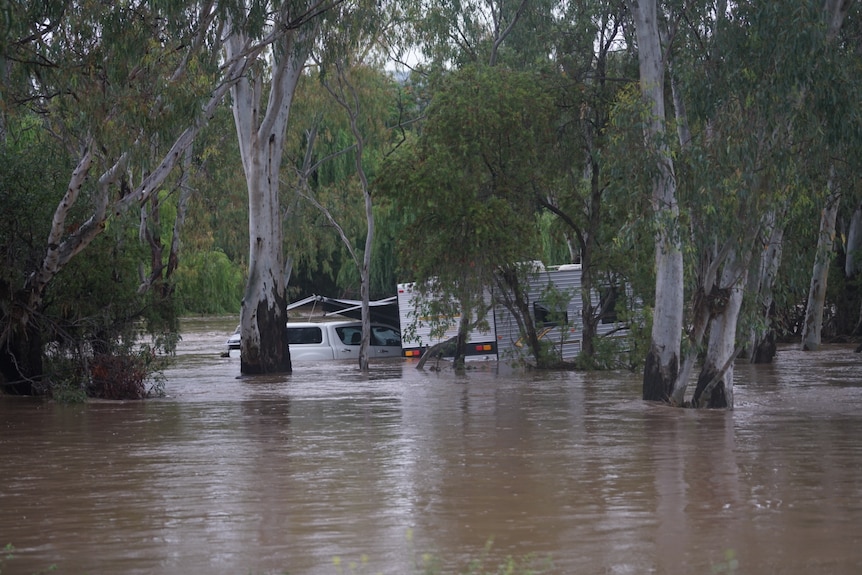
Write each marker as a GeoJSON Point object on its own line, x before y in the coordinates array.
{"type": "Point", "coordinates": [232, 475]}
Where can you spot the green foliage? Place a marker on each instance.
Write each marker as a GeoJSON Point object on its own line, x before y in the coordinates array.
{"type": "Point", "coordinates": [557, 303]}
{"type": "Point", "coordinates": [470, 180]}
{"type": "Point", "coordinates": [106, 71]}
{"type": "Point", "coordinates": [105, 89]}
{"type": "Point", "coordinates": [28, 189]}
{"type": "Point", "coordinates": [465, 189]}
{"type": "Point", "coordinates": [68, 391]}
{"type": "Point", "coordinates": [93, 304]}
{"type": "Point", "coordinates": [209, 283]}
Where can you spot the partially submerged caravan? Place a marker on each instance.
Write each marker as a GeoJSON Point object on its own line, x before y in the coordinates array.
{"type": "Point", "coordinates": [551, 299]}
{"type": "Point", "coordinates": [422, 326]}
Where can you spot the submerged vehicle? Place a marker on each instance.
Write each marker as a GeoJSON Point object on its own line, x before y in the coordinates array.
{"type": "Point", "coordinates": [327, 340]}
{"type": "Point", "coordinates": [336, 339]}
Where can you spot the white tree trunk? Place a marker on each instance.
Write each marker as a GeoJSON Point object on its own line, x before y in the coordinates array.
{"type": "Point", "coordinates": [711, 260]}
{"type": "Point", "coordinates": [715, 382]}
{"type": "Point", "coordinates": [261, 132]}
{"type": "Point", "coordinates": [817, 291]}
{"type": "Point", "coordinates": [854, 244]}
{"type": "Point", "coordinates": [761, 341]}
{"type": "Point", "coordinates": [662, 363]}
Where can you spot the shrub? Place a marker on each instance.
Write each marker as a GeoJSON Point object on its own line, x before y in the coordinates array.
{"type": "Point", "coordinates": [123, 375]}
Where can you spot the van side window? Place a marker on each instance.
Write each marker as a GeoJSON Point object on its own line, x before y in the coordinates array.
{"type": "Point", "coordinates": [385, 336]}
{"type": "Point", "coordinates": [349, 335]}
{"type": "Point", "coordinates": [300, 335]}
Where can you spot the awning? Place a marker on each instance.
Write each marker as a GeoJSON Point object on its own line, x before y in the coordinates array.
{"type": "Point", "coordinates": [382, 311]}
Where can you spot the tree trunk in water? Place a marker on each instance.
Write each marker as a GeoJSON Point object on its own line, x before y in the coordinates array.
{"type": "Point", "coordinates": [761, 344]}
{"type": "Point", "coordinates": [661, 368]}
{"type": "Point", "coordinates": [461, 341]}
{"type": "Point", "coordinates": [715, 382]}
{"type": "Point", "coordinates": [817, 292]}
{"type": "Point", "coordinates": [261, 131]}
{"type": "Point", "coordinates": [263, 315]}
{"type": "Point", "coordinates": [701, 311]}
{"type": "Point", "coordinates": [854, 244]}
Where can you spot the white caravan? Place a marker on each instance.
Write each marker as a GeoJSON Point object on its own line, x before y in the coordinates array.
{"type": "Point", "coordinates": [417, 327]}
{"type": "Point", "coordinates": [553, 297]}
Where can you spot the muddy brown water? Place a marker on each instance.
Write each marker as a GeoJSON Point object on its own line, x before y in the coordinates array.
{"type": "Point", "coordinates": [328, 471]}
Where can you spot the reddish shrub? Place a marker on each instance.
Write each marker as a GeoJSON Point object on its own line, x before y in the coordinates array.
{"type": "Point", "coordinates": [118, 377]}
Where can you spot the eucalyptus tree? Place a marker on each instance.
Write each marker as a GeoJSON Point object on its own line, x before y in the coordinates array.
{"type": "Point", "coordinates": [593, 70]}
{"type": "Point", "coordinates": [742, 124]}
{"type": "Point", "coordinates": [730, 179]}
{"type": "Point", "coordinates": [302, 27]}
{"type": "Point", "coordinates": [125, 89]}
{"type": "Point", "coordinates": [763, 125]}
{"type": "Point", "coordinates": [346, 68]}
{"type": "Point", "coordinates": [662, 365]}
{"type": "Point", "coordinates": [261, 127]}
{"type": "Point", "coordinates": [833, 13]}
{"type": "Point", "coordinates": [466, 186]}
{"type": "Point", "coordinates": [474, 31]}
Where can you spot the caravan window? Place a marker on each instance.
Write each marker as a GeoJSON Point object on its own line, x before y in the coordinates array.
{"type": "Point", "coordinates": [608, 304]}
{"type": "Point", "coordinates": [547, 317]}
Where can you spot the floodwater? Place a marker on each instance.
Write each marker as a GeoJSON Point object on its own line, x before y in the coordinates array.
{"type": "Point", "coordinates": [329, 471]}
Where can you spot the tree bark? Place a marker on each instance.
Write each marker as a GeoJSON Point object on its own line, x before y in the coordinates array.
{"type": "Point", "coordinates": [701, 311]}
{"type": "Point", "coordinates": [715, 382]}
{"type": "Point", "coordinates": [761, 346]}
{"type": "Point", "coordinates": [263, 314]}
{"type": "Point", "coordinates": [854, 244]}
{"type": "Point", "coordinates": [663, 358]}
{"type": "Point", "coordinates": [817, 291]}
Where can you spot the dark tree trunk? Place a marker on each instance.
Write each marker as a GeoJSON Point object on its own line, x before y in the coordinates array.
{"type": "Point", "coordinates": [710, 390]}
{"type": "Point", "coordinates": [461, 339]}
{"type": "Point", "coordinates": [658, 383]}
{"type": "Point", "coordinates": [765, 349]}
{"type": "Point", "coordinates": [21, 362]}
{"type": "Point", "coordinates": [275, 354]}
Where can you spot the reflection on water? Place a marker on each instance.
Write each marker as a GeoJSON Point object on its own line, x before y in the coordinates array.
{"type": "Point", "coordinates": [284, 473]}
